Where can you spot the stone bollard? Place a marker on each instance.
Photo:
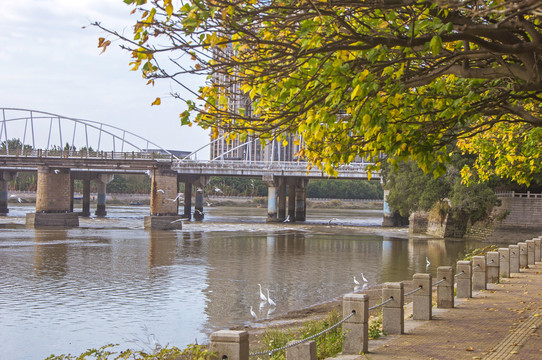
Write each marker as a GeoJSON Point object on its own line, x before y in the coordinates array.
{"type": "Point", "coordinates": [356, 329]}
{"type": "Point", "coordinates": [464, 281]}
{"type": "Point", "coordinates": [445, 290]}
{"type": "Point", "coordinates": [229, 344]}
{"type": "Point", "coordinates": [504, 262]}
{"type": "Point", "coordinates": [304, 351]}
{"type": "Point", "coordinates": [514, 258]}
{"type": "Point", "coordinates": [393, 312]}
{"type": "Point", "coordinates": [537, 242]}
{"type": "Point", "coordinates": [422, 300]}
{"type": "Point", "coordinates": [493, 264]}
{"type": "Point", "coordinates": [530, 252]}
{"type": "Point", "coordinates": [479, 273]}
{"type": "Point", "coordinates": [522, 255]}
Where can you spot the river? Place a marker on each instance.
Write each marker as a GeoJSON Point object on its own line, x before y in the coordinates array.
{"type": "Point", "coordinates": [111, 281]}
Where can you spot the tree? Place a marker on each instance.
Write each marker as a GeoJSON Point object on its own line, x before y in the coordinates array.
{"type": "Point", "coordinates": [14, 145]}
{"type": "Point", "coordinates": [354, 78]}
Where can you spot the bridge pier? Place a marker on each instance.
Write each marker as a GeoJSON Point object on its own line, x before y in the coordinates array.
{"type": "Point", "coordinates": [198, 207]}
{"type": "Point", "coordinates": [5, 177]}
{"type": "Point", "coordinates": [164, 202]}
{"type": "Point", "coordinates": [271, 182]}
{"type": "Point", "coordinates": [53, 199]}
{"type": "Point", "coordinates": [101, 184]}
{"type": "Point", "coordinates": [301, 199]}
{"type": "Point", "coordinates": [291, 198]}
{"type": "Point", "coordinates": [281, 216]}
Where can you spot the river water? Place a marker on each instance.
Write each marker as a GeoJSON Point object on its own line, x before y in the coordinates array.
{"type": "Point", "coordinates": [110, 281]}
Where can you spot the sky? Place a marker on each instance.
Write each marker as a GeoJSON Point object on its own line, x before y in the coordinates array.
{"type": "Point", "coordinates": [50, 63]}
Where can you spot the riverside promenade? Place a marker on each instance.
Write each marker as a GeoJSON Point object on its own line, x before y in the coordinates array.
{"type": "Point", "coordinates": [502, 322]}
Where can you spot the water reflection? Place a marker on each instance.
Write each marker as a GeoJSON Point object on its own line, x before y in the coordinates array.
{"type": "Point", "coordinates": [70, 290]}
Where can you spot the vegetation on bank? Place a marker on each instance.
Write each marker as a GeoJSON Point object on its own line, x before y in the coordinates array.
{"type": "Point", "coordinates": [226, 186]}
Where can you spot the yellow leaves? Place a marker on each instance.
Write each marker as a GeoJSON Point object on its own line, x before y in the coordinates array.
{"type": "Point", "coordinates": [156, 102]}
{"type": "Point", "coordinates": [366, 120]}
{"type": "Point", "coordinates": [169, 8]}
{"type": "Point", "coordinates": [355, 92]}
{"type": "Point", "coordinates": [102, 43]}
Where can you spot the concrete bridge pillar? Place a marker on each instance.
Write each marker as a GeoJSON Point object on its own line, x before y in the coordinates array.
{"type": "Point", "coordinates": [101, 183]}
{"type": "Point", "coordinates": [301, 199]}
{"type": "Point", "coordinates": [187, 200]}
{"type": "Point", "coordinates": [272, 208]}
{"type": "Point", "coordinates": [164, 202]}
{"type": "Point", "coordinates": [5, 177]}
{"type": "Point", "coordinates": [53, 199]}
{"type": "Point", "coordinates": [281, 216]}
{"type": "Point", "coordinates": [291, 198]}
{"type": "Point", "coordinates": [201, 182]}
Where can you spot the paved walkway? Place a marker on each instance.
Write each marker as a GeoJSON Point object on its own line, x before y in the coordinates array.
{"type": "Point", "coordinates": [502, 322]}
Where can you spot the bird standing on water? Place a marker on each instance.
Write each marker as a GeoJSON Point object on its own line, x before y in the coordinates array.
{"type": "Point", "coordinates": [355, 281]}
{"type": "Point", "coordinates": [363, 278]}
{"type": "Point", "coordinates": [271, 302]}
{"type": "Point", "coordinates": [253, 313]}
{"type": "Point", "coordinates": [262, 295]}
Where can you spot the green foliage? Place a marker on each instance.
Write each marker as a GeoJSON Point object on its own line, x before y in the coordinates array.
{"type": "Point", "coordinates": [345, 189]}
{"type": "Point", "coordinates": [327, 345]}
{"type": "Point", "coordinates": [356, 79]}
{"type": "Point", "coordinates": [14, 146]}
{"type": "Point", "coordinates": [412, 190]}
{"type": "Point", "coordinates": [191, 352]}
{"type": "Point", "coordinates": [480, 252]}
{"type": "Point", "coordinates": [375, 327]}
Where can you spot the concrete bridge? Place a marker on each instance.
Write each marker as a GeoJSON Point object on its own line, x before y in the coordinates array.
{"type": "Point", "coordinates": [58, 163]}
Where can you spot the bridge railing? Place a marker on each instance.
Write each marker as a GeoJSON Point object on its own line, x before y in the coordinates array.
{"type": "Point", "coordinates": [70, 154]}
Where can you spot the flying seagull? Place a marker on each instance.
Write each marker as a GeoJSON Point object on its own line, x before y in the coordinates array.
{"type": "Point", "coordinates": [160, 191]}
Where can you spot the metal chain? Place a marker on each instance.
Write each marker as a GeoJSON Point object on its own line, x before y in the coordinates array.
{"type": "Point", "coordinates": [459, 274]}
{"type": "Point", "coordinates": [379, 305]}
{"type": "Point", "coordinates": [413, 291]}
{"type": "Point", "coordinates": [438, 282]}
{"type": "Point", "coordinates": [271, 352]}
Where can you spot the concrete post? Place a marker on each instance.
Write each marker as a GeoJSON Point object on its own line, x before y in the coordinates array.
{"type": "Point", "coordinates": [304, 351]}
{"type": "Point", "coordinates": [464, 281]}
{"type": "Point", "coordinates": [301, 199]}
{"type": "Point", "coordinates": [522, 255]}
{"type": "Point", "coordinates": [445, 290]}
{"type": "Point", "coordinates": [281, 215]}
{"type": "Point", "coordinates": [3, 197]}
{"type": "Point", "coordinates": [537, 250]}
{"type": "Point", "coordinates": [493, 264]}
{"type": "Point", "coordinates": [5, 177]}
{"type": "Point", "coordinates": [187, 200]}
{"type": "Point", "coordinates": [271, 203]}
{"type": "Point", "coordinates": [85, 211]}
{"type": "Point", "coordinates": [530, 252]}
{"type": "Point", "coordinates": [514, 258]}
{"type": "Point", "coordinates": [101, 184]}
{"type": "Point", "coordinates": [164, 209]}
{"type": "Point", "coordinates": [393, 312]}
{"type": "Point", "coordinates": [479, 273]}
{"type": "Point", "coordinates": [291, 198]}
{"type": "Point", "coordinates": [230, 345]}
{"type": "Point", "coordinates": [356, 329]}
{"type": "Point", "coordinates": [422, 300]}
{"type": "Point", "coordinates": [504, 262]}
{"type": "Point", "coordinates": [198, 206]}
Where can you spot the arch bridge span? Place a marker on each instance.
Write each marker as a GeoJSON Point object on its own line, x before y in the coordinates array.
{"type": "Point", "coordinates": [63, 149]}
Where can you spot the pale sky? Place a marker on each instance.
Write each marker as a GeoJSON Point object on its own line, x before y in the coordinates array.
{"type": "Point", "coordinates": [48, 62]}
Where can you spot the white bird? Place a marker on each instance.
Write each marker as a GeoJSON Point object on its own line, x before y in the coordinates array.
{"type": "Point", "coordinates": [57, 171]}
{"type": "Point", "coordinates": [12, 195]}
{"type": "Point", "coordinates": [160, 191]}
{"type": "Point", "coordinates": [198, 211]}
{"type": "Point", "coordinates": [262, 295]}
{"type": "Point", "coordinates": [178, 196]}
{"type": "Point", "coordinates": [253, 313]}
{"type": "Point", "coordinates": [271, 302]}
{"type": "Point", "coordinates": [217, 190]}
{"type": "Point", "coordinates": [363, 277]}
{"type": "Point", "coordinates": [355, 281]}
{"type": "Point", "coordinates": [427, 261]}
{"type": "Point", "coordinates": [19, 200]}
{"type": "Point", "coordinates": [148, 172]}
{"type": "Point", "coordinates": [287, 220]}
